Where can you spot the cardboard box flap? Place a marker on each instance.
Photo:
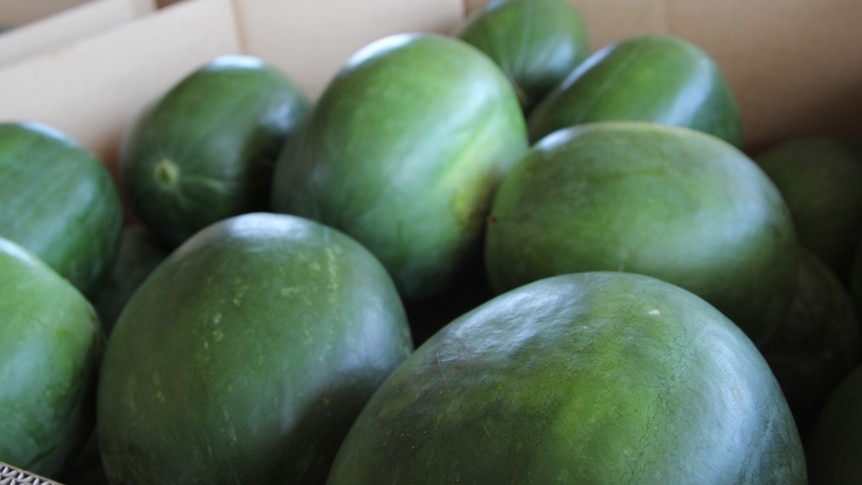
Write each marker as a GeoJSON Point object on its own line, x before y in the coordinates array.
{"type": "Point", "coordinates": [21, 12]}
{"type": "Point", "coordinates": [310, 41]}
{"type": "Point", "coordinates": [45, 34]}
{"type": "Point", "coordinates": [92, 89]}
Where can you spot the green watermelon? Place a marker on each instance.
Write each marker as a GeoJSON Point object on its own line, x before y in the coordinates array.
{"type": "Point", "coordinates": [598, 378]}
{"type": "Point", "coordinates": [205, 150]}
{"type": "Point", "coordinates": [536, 43]}
{"type": "Point", "coordinates": [59, 202]}
{"type": "Point", "coordinates": [246, 354]}
{"type": "Point", "coordinates": [820, 179]}
{"type": "Point", "coordinates": [652, 77]}
{"type": "Point", "coordinates": [138, 255]}
{"type": "Point", "coordinates": [819, 342]}
{"type": "Point", "coordinates": [50, 345]}
{"type": "Point", "coordinates": [669, 202]}
{"type": "Point", "coordinates": [836, 443]}
{"type": "Point", "coordinates": [403, 151]}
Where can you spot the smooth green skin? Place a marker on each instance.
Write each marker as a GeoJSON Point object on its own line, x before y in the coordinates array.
{"type": "Point", "coordinates": [664, 201]}
{"type": "Point", "coordinates": [655, 78]}
{"type": "Point", "coordinates": [138, 255]}
{"type": "Point", "coordinates": [836, 443]}
{"type": "Point", "coordinates": [820, 179]}
{"type": "Point", "coordinates": [246, 355]}
{"type": "Point", "coordinates": [50, 345]}
{"type": "Point", "coordinates": [206, 149]}
{"type": "Point", "coordinates": [403, 151]}
{"type": "Point", "coordinates": [584, 378]}
{"type": "Point", "coordinates": [819, 342]}
{"type": "Point", "coordinates": [536, 43]}
{"type": "Point", "coordinates": [59, 202]}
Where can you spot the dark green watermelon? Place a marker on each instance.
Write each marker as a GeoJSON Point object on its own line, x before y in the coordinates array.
{"type": "Point", "coordinates": [652, 77]}
{"type": "Point", "coordinates": [595, 378]}
{"type": "Point", "coordinates": [403, 151]}
{"type": "Point", "coordinates": [245, 356]}
{"type": "Point", "coordinates": [138, 255]}
{"type": "Point", "coordinates": [819, 342]}
{"type": "Point", "coordinates": [58, 202]}
{"type": "Point", "coordinates": [205, 150]}
{"type": "Point", "coordinates": [50, 346]}
{"type": "Point", "coordinates": [669, 202]}
{"type": "Point", "coordinates": [836, 443]}
{"type": "Point", "coordinates": [820, 179]}
{"type": "Point", "coordinates": [536, 43]}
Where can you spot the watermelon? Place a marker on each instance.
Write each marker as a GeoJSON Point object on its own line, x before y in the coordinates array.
{"type": "Point", "coordinates": [656, 78]}
{"type": "Point", "coordinates": [403, 151]}
{"type": "Point", "coordinates": [819, 178]}
{"type": "Point", "coordinates": [51, 344]}
{"type": "Point", "coordinates": [665, 201]}
{"type": "Point", "coordinates": [819, 342]}
{"type": "Point", "coordinates": [836, 443]}
{"type": "Point", "coordinates": [536, 43]}
{"type": "Point", "coordinates": [246, 354]}
{"type": "Point", "coordinates": [205, 150]}
{"type": "Point", "coordinates": [596, 377]}
{"type": "Point", "coordinates": [138, 255]}
{"type": "Point", "coordinates": [59, 202]}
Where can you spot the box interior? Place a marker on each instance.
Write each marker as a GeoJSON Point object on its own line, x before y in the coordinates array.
{"type": "Point", "coordinates": [793, 64]}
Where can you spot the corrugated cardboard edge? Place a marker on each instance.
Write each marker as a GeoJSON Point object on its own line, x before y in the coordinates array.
{"type": "Point", "coordinates": [68, 26]}
{"type": "Point", "coordinates": [92, 89]}
{"type": "Point", "coordinates": [10, 475]}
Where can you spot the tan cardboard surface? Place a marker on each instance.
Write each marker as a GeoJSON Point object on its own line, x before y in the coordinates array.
{"type": "Point", "coordinates": [795, 65]}
{"type": "Point", "coordinates": [311, 40]}
{"type": "Point", "coordinates": [69, 25]}
{"type": "Point", "coordinates": [92, 89]}
{"type": "Point", "coordinates": [20, 12]}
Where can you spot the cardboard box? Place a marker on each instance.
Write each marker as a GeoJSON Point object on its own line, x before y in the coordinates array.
{"type": "Point", "coordinates": [40, 27]}
{"type": "Point", "coordinates": [793, 64]}
{"type": "Point", "coordinates": [93, 88]}
{"type": "Point", "coordinates": [15, 476]}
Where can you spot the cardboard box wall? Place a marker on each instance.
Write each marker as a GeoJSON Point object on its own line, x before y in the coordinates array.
{"type": "Point", "coordinates": [795, 65]}
{"type": "Point", "coordinates": [40, 27]}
